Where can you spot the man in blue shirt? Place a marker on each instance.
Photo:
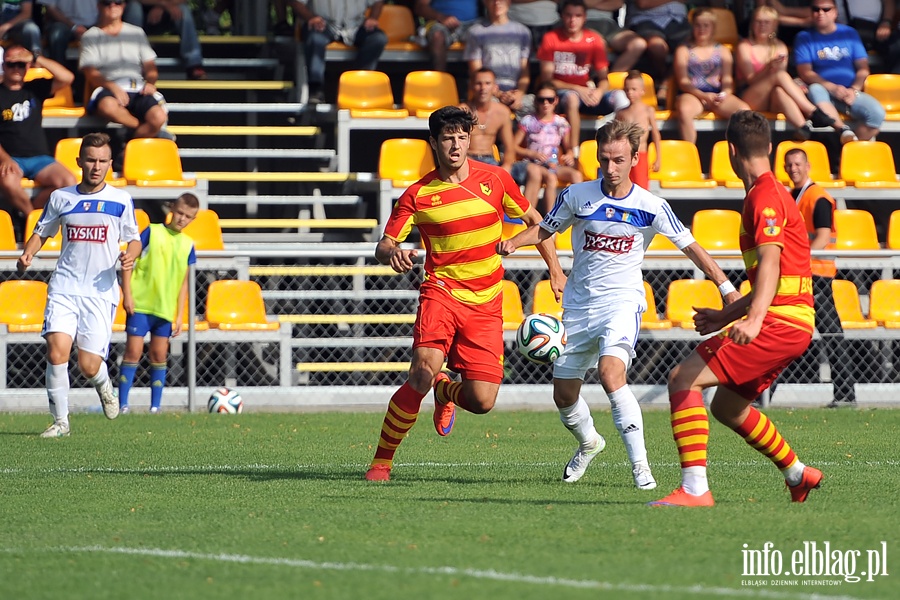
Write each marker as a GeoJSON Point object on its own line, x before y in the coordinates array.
{"type": "Point", "coordinates": [833, 62]}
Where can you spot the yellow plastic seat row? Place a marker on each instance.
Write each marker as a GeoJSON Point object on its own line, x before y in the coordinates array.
{"type": "Point", "coordinates": [369, 94]}
{"type": "Point", "coordinates": [885, 87]}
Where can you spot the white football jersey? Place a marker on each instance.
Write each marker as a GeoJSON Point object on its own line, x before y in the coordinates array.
{"type": "Point", "coordinates": [609, 237]}
{"type": "Point", "coordinates": [92, 227]}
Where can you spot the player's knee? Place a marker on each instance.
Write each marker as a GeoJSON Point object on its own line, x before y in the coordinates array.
{"type": "Point", "coordinates": [421, 378]}
{"type": "Point", "coordinates": [678, 379]}
{"type": "Point", "coordinates": [480, 404]}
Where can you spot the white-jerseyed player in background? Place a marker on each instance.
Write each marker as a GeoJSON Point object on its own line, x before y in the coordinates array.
{"type": "Point", "coordinates": [613, 222]}
{"type": "Point", "coordinates": [84, 290]}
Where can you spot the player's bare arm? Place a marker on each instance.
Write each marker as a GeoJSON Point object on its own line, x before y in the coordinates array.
{"type": "Point", "coordinates": [710, 320]}
{"type": "Point", "coordinates": [34, 243]}
{"type": "Point", "coordinates": [700, 257]}
{"type": "Point", "coordinates": [547, 248]}
{"type": "Point", "coordinates": [767, 275]}
{"type": "Point", "coordinates": [389, 252]}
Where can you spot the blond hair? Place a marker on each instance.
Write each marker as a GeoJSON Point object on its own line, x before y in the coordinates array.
{"type": "Point", "coordinates": [621, 130]}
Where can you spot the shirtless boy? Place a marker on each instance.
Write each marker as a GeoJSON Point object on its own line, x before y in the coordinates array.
{"type": "Point", "coordinates": [645, 117]}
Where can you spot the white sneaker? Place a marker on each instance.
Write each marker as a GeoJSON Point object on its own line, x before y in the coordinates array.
{"type": "Point", "coordinates": [847, 135]}
{"type": "Point", "coordinates": [109, 401]}
{"type": "Point", "coordinates": [643, 478]}
{"type": "Point", "coordinates": [154, 410]}
{"type": "Point", "coordinates": [576, 467]}
{"type": "Point", "coordinates": [58, 429]}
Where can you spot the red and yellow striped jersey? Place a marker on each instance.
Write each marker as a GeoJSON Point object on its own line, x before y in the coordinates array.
{"type": "Point", "coordinates": [460, 225]}
{"type": "Point", "coordinates": [771, 216]}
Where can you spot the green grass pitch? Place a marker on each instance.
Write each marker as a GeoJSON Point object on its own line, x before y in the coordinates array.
{"type": "Point", "coordinates": [275, 506]}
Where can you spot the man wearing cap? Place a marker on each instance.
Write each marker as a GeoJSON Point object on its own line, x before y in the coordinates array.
{"type": "Point", "coordinates": [23, 147]}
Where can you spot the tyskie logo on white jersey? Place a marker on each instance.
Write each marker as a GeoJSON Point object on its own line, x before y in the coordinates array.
{"type": "Point", "coordinates": [86, 233]}
{"type": "Point", "coordinates": [597, 242]}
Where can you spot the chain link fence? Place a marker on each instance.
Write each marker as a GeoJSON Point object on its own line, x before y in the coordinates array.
{"type": "Point", "coordinates": [347, 321]}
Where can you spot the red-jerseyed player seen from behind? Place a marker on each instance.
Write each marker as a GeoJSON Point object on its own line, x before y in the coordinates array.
{"type": "Point", "coordinates": [458, 208]}
{"type": "Point", "coordinates": [775, 323]}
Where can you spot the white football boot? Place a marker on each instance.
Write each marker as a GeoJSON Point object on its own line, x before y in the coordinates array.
{"type": "Point", "coordinates": [576, 467]}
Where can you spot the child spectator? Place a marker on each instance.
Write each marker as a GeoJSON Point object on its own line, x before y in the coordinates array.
{"type": "Point", "coordinates": [159, 291]}
{"type": "Point", "coordinates": [644, 116]}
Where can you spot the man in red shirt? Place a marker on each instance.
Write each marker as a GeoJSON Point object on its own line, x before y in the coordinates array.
{"type": "Point", "coordinates": [574, 60]}
{"type": "Point", "coordinates": [772, 326]}
{"type": "Point", "coordinates": [458, 209]}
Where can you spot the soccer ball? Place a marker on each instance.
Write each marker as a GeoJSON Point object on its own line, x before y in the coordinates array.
{"type": "Point", "coordinates": [541, 338]}
{"type": "Point", "coordinates": [225, 400]}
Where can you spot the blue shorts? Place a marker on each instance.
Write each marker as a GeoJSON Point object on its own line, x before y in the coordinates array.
{"type": "Point", "coordinates": [33, 165]}
{"type": "Point", "coordinates": [140, 323]}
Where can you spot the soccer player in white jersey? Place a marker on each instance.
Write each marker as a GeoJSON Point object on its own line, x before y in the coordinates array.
{"type": "Point", "coordinates": [84, 290]}
{"type": "Point", "coordinates": [613, 222]}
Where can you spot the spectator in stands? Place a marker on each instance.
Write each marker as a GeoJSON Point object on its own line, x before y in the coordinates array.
{"type": "Point", "coordinates": [120, 67]}
{"type": "Point", "coordinates": [817, 209]}
{"type": "Point", "coordinates": [17, 27]}
{"type": "Point", "coordinates": [66, 21]}
{"type": "Point", "coordinates": [793, 17]}
{"type": "Point", "coordinates": [574, 60]}
{"type": "Point", "coordinates": [644, 116]}
{"type": "Point", "coordinates": [664, 25]}
{"type": "Point", "coordinates": [493, 122]}
{"type": "Point", "coordinates": [761, 66]}
{"type": "Point", "coordinates": [539, 16]}
{"type": "Point", "coordinates": [23, 146]}
{"type": "Point", "coordinates": [161, 15]}
{"type": "Point", "coordinates": [874, 21]}
{"type": "Point", "coordinates": [543, 139]}
{"type": "Point", "coordinates": [348, 22]}
{"type": "Point", "coordinates": [446, 22]}
{"type": "Point", "coordinates": [625, 43]}
{"type": "Point", "coordinates": [833, 62]}
{"type": "Point", "coordinates": [503, 46]}
{"type": "Point", "coordinates": [704, 72]}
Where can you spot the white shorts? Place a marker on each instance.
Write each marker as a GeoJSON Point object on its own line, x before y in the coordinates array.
{"type": "Point", "coordinates": [86, 320]}
{"type": "Point", "coordinates": [595, 332]}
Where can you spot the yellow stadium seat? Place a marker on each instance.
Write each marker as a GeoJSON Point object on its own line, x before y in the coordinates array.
{"type": "Point", "coordinates": [405, 161]}
{"type": "Point", "coordinates": [54, 243]}
{"type": "Point", "coordinates": [868, 165]}
{"type": "Point", "coordinates": [367, 94]}
{"type": "Point", "coordinates": [22, 305]}
{"type": "Point", "coordinates": [679, 166]}
{"type": "Point", "coordinates": [685, 294]}
{"type": "Point", "coordinates": [121, 316]}
{"type": "Point", "coordinates": [426, 91]}
{"type": "Point", "coordinates": [617, 82]}
{"type": "Point", "coordinates": [855, 230]}
{"type": "Point", "coordinates": [726, 27]}
{"type": "Point", "coordinates": [142, 218]}
{"type": "Point", "coordinates": [62, 103]}
{"type": "Point", "coordinates": [650, 319]}
{"type": "Point", "coordinates": [819, 166]}
{"type": "Point", "coordinates": [66, 154]}
{"type": "Point", "coordinates": [846, 300]}
{"type": "Point", "coordinates": [398, 23]}
{"type": "Point", "coordinates": [544, 301]}
{"type": "Point", "coordinates": [7, 234]}
{"type": "Point", "coordinates": [513, 314]}
{"type": "Point", "coordinates": [884, 302]}
{"type": "Point", "coordinates": [564, 240]}
{"type": "Point", "coordinates": [237, 305]}
{"type": "Point", "coordinates": [154, 162]}
{"type": "Point", "coordinates": [205, 231]}
{"type": "Point", "coordinates": [893, 241]}
{"type": "Point", "coordinates": [885, 88]}
{"type": "Point", "coordinates": [661, 242]}
{"type": "Point", "coordinates": [745, 287]}
{"type": "Point", "coordinates": [720, 167]}
{"type": "Point", "coordinates": [716, 229]}
{"type": "Point", "coordinates": [587, 160]}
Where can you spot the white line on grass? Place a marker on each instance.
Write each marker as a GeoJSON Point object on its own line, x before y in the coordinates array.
{"type": "Point", "coordinates": [448, 465]}
{"type": "Point", "coordinates": [451, 571]}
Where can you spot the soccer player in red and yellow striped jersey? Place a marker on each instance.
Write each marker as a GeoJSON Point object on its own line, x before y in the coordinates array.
{"type": "Point", "coordinates": [458, 209]}
{"type": "Point", "coordinates": [775, 322]}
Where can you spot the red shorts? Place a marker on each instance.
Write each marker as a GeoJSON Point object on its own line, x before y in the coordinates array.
{"type": "Point", "coordinates": [640, 173]}
{"type": "Point", "coordinates": [748, 370]}
{"type": "Point", "coordinates": [469, 335]}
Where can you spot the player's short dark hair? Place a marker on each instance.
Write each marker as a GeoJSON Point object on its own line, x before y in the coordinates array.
{"type": "Point", "coordinates": [97, 139]}
{"type": "Point", "coordinates": [450, 118]}
{"type": "Point", "coordinates": [794, 151]}
{"type": "Point", "coordinates": [565, 3]}
{"type": "Point", "coordinates": [620, 130]}
{"type": "Point", "coordinates": [189, 200]}
{"type": "Point", "coordinates": [749, 132]}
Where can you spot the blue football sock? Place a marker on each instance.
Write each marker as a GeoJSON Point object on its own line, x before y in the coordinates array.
{"type": "Point", "coordinates": [157, 383]}
{"type": "Point", "coordinates": [126, 380]}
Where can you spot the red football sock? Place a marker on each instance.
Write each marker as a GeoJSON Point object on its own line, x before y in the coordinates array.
{"type": "Point", "coordinates": [400, 417]}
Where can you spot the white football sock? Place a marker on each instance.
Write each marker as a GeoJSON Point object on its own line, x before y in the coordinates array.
{"type": "Point", "coordinates": [693, 480]}
{"type": "Point", "coordinates": [794, 473]}
{"type": "Point", "coordinates": [102, 376]}
{"type": "Point", "coordinates": [577, 419]}
{"type": "Point", "coordinates": [57, 381]}
{"type": "Point", "coordinates": [628, 419]}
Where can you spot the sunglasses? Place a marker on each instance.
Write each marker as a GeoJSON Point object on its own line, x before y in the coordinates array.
{"type": "Point", "coordinates": [112, 2]}
{"type": "Point", "coordinates": [821, 9]}
{"type": "Point", "coordinates": [545, 100]}
{"type": "Point", "coordinates": [15, 65]}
